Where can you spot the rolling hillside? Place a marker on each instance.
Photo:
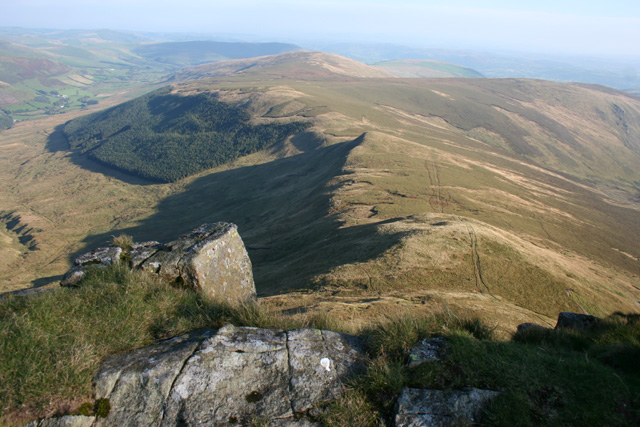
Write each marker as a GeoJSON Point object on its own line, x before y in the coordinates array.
{"type": "Point", "coordinates": [514, 199]}
{"type": "Point", "coordinates": [198, 52]}
{"type": "Point", "coordinates": [298, 65]}
{"type": "Point", "coordinates": [45, 72]}
{"type": "Point", "coordinates": [423, 68]}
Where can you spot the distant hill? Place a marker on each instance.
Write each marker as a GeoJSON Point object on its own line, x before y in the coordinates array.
{"type": "Point", "coordinates": [614, 72]}
{"type": "Point", "coordinates": [18, 63]}
{"type": "Point", "coordinates": [198, 52]}
{"type": "Point", "coordinates": [300, 64]}
{"type": "Point", "coordinates": [42, 36]}
{"type": "Point", "coordinates": [423, 68]}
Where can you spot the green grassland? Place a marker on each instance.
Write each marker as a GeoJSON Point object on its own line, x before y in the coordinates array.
{"type": "Point", "coordinates": [71, 76]}
{"type": "Point", "coordinates": [80, 68]}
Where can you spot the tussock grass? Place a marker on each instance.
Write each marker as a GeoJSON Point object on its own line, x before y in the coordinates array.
{"type": "Point", "coordinates": [123, 241]}
{"type": "Point", "coordinates": [545, 377]}
{"type": "Point", "coordinates": [51, 343]}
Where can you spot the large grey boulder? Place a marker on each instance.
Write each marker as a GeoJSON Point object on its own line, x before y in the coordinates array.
{"type": "Point", "coordinates": [211, 259]}
{"type": "Point", "coordinates": [422, 408]}
{"type": "Point", "coordinates": [227, 377]}
{"type": "Point", "coordinates": [576, 321]}
{"type": "Point", "coordinates": [97, 258]}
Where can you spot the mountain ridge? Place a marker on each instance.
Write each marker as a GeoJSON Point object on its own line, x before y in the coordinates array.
{"type": "Point", "coordinates": [301, 64]}
{"type": "Point", "coordinates": [416, 188]}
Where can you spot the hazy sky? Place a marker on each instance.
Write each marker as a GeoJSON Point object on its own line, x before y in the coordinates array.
{"type": "Point", "coordinates": [597, 27]}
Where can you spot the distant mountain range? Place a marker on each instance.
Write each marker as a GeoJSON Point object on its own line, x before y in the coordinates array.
{"type": "Point", "coordinates": [618, 72]}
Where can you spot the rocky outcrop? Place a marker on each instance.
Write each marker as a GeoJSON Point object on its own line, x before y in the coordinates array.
{"type": "Point", "coordinates": [227, 377]}
{"type": "Point", "coordinates": [566, 320]}
{"type": "Point", "coordinates": [97, 258]}
{"type": "Point", "coordinates": [421, 408]}
{"type": "Point", "coordinates": [211, 259]}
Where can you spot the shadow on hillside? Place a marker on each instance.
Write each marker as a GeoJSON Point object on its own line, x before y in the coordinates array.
{"type": "Point", "coordinates": [281, 209]}
{"type": "Point", "coordinates": [58, 142]}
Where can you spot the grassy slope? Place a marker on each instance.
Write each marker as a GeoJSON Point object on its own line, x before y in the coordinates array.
{"type": "Point", "coordinates": [545, 377]}
{"type": "Point", "coordinates": [476, 193]}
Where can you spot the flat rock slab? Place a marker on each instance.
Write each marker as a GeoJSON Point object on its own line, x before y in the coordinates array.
{"type": "Point", "coordinates": [422, 408]}
{"type": "Point", "coordinates": [140, 252]}
{"type": "Point", "coordinates": [227, 377]}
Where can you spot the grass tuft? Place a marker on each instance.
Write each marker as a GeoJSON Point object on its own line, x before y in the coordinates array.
{"type": "Point", "coordinates": [123, 241]}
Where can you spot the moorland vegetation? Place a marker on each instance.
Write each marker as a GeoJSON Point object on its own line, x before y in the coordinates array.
{"type": "Point", "coordinates": [52, 343]}
{"type": "Point", "coordinates": [164, 137]}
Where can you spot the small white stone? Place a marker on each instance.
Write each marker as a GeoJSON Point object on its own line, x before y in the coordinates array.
{"type": "Point", "coordinates": [325, 362]}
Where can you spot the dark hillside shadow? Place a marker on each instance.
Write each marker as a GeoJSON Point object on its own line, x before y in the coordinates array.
{"type": "Point", "coordinates": [281, 209]}
{"type": "Point", "coordinates": [58, 142]}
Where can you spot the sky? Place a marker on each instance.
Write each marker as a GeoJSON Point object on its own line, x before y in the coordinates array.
{"type": "Point", "coordinates": [542, 26]}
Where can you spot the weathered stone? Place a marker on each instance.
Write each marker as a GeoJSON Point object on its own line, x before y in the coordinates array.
{"type": "Point", "coordinates": [318, 360]}
{"type": "Point", "coordinates": [227, 376]}
{"type": "Point", "coordinates": [73, 277]}
{"type": "Point", "coordinates": [421, 408]}
{"type": "Point", "coordinates": [531, 327]}
{"type": "Point", "coordinates": [211, 259]}
{"type": "Point", "coordinates": [580, 322]}
{"type": "Point", "coordinates": [98, 258]}
{"type": "Point", "coordinates": [137, 383]}
{"type": "Point", "coordinates": [140, 252]}
{"type": "Point", "coordinates": [234, 375]}
{"type": "Point", "coordinates": [427, 350]}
